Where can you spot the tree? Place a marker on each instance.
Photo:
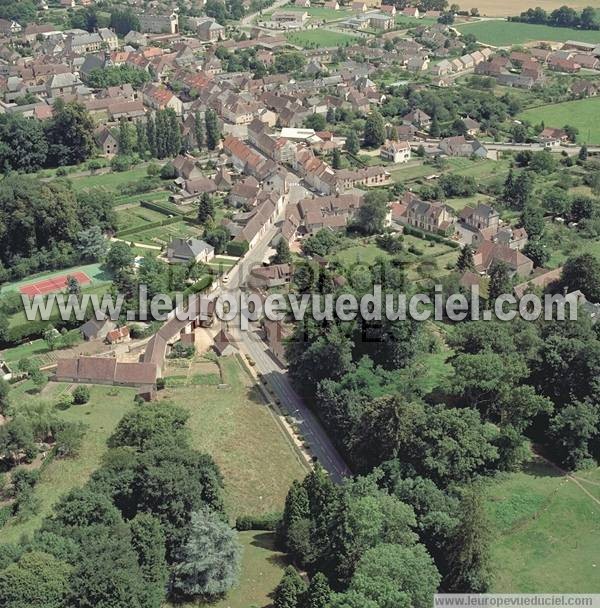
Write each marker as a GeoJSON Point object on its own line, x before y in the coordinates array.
{"type": "Point", "coordinates": [148, 542]}
{"type": "Point", "coordinates": [465, 260]}
{"type": "Point", "coordinates": [555, 201]}
{"type": "Point", "coordinates": [107, 573]}
{"type": "Point", "coordinates": [206, 209]}
{"type": "Point", "coordinates": [393, 575]}
{"type": "Point", "coordinates": [91, 244]}
{"type": "Point", "coordinates": [122, 21]}
{"type": "Point", "coordinates": [36, 580]}
{"type": "Point", "coordinates": [318, 594]}
{"type": "Point", "coordinates": [316, 122]}
{"type": "Point", "coordinates": [537, 252]}
{"type": "Point", "coordinates": [208, 564]}
{"type": "Point", "coordinates": [469, 568]}
{"type": "Point", "coordinates": [69, 439]}
{"type": "Point", "coordinates": [532, 219]}
{"type": "Point", "coordinates": [126, 138]}
{"type": "Point", "coordinates": [372, 213]}
{"type": "Point", "coordinates": [199, 135]}
{"type": "Point", "coordinates": [374, 133]}
{"type": "Point", "coordinates": [499, 280]}
{"type": "Point", "coordinates": [213, 130]}
{"type": "Point", "coordinates": [218, 238]}
{"type": "Point", "coordinates": [150, 426]}
{"type": "Point", "coordinates": [583, 153]}
{"type": "Point", "coordinates": [70, 133]}
{"type": "Point", "coordinates": [572, 430]}
{"type": "Point", "coordinates": [119, 257]}
{"type": "Point", "coordinates": [23, 145]}
{"type": "Point", "coordinates": [4, 396]}
{"type": "Point", "coordinates": [583, 272]}
{"type": "Point", "coordinates": [290, 591]}
{"type": "Point", "coordinates": [336, 159]}
{"type": "Point", "coordinates": [81, 395]}
{"type": "Point", "coordinates": [282, 253]}
{"type": "Point", "coordinates": [352, 144]}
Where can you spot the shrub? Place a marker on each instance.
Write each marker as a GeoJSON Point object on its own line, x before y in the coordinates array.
{"type": "Point", "coordinates": [268, 521]}
{"type": "Point", "coordinates": [81, 395]}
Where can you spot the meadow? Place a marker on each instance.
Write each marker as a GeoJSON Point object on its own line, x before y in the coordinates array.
{"type": "Point", "coordinates": [546, 531]}
{"type": "Point", "coordinates": [581, 113]}
{"type": "Point", "coordinates": [503, 33]}
{"type": "Point", "coordinates": [236, 426]}
{"type": "Point", "coordinates": [320, 38]}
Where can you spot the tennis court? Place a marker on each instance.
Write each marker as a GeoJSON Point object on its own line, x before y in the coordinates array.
{"type": "Point", "coordinates": [52, 284]}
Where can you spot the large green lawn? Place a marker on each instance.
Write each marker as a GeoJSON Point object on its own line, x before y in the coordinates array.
{"type": "Point", "coordinates": [106, 407]}
{"type": "Point", "coordinates": [320, 38]}
{"type": "Point", "coordinates": [262, 568]}
{"type": "Point", "coordinates": [581, 113]}
{"type": "Point", "coordinates": [241, 432]}
{"type": "Point", "coordinates": [547, 532]}
{"type": "Point", "coordinates": [111, 181]}
{"type": "Point", "coordinates": [505, 33]}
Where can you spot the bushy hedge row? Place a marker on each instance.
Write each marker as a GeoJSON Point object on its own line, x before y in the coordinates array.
{"type": "Point", "coordinates": [430, 236]}
{"type": "Point", "coordinates": [269, 521]}
{"type": "Point", "coordinates": [237, 248]}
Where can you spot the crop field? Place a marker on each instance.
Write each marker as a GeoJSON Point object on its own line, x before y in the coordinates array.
{"type": "Point", "coordinates": [547, 531]}
{"type": "Point", "coordinates": [320, 38]}
{"type": "Point", "coordinates": [581, 113]}
{"type": "Point", "coordinates": [503, 33]}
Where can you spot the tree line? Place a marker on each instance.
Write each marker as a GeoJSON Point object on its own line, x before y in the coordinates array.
{"type": "Point", "coordinates": [565, 16]}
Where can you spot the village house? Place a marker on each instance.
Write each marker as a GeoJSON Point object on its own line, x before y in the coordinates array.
{"type": "Point", "coordinates": [160, 98]}
{"type": "Point", "coordinates": [367, 176]}
{"type": "Point", "coordinates": [224, 344]}
{"type": "Point", "coordinates": [489, 253]}
{"type": "Point", "coordinates": [551, 136]}
{"type": "Point", "coordinates": [461, 146]}
{"type": "Point", "coordinates": [106, 141]}
{"type": "Point", "coordinates": [275, 275]}
{"type": "Point", "coordinates": [431, 216]}
{"type": "Point", "coordinates": [482, 216]}
{"type": "Point", "coordinates": [395, 151]}
{"type": "Point", "coordinates": [189, 250]}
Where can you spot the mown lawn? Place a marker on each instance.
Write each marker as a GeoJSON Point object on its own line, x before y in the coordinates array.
{"type": "Point", "coordinates": [106, 407]}
{"type": "Point", "coordinates": [505, 33]}
{"type": "Point", "coordinates": [111, 181]}
{"type": "Point", "coordinates": [547, 533]}
{"type": "Point", "coordinates": [581, 113]}
{"type": "Point", "coordinates": [262, 568]}
{"type": "Point", "coordinates": [320, 38]}
{"type": "Point", "coordinates": [237, 428]}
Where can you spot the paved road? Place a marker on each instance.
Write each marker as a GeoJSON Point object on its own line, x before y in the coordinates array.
{"type": "Point", "coordinates": [276, 375]}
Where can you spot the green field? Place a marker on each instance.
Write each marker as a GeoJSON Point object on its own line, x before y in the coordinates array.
{"type": "Point", "coordinates": [106, 407]}
{"type": "Point", "coordinates": [262, 568]}
{"type": "Point", "coordinates": [547, 532]}
{"type": "Point", "coordinates": [242, 434]}
{"type": "Point", "coordinates": [581, 113]}
{"type": "Point", "coordinates": [111, 181]}
{"type": "Point", "coordinates": [320, 38]}
{"type": "Point", "coordinates": [504, 33]}
{"type": "Point", "coordinates": [132, 217]}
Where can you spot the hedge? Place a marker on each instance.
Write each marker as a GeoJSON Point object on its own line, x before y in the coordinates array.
{"type": "Point", "coordinates": [269, 521]}
{"type": "Point", "coordinates": [237, 248]}
{"type": "Point", "coordinates": [430, 236]}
